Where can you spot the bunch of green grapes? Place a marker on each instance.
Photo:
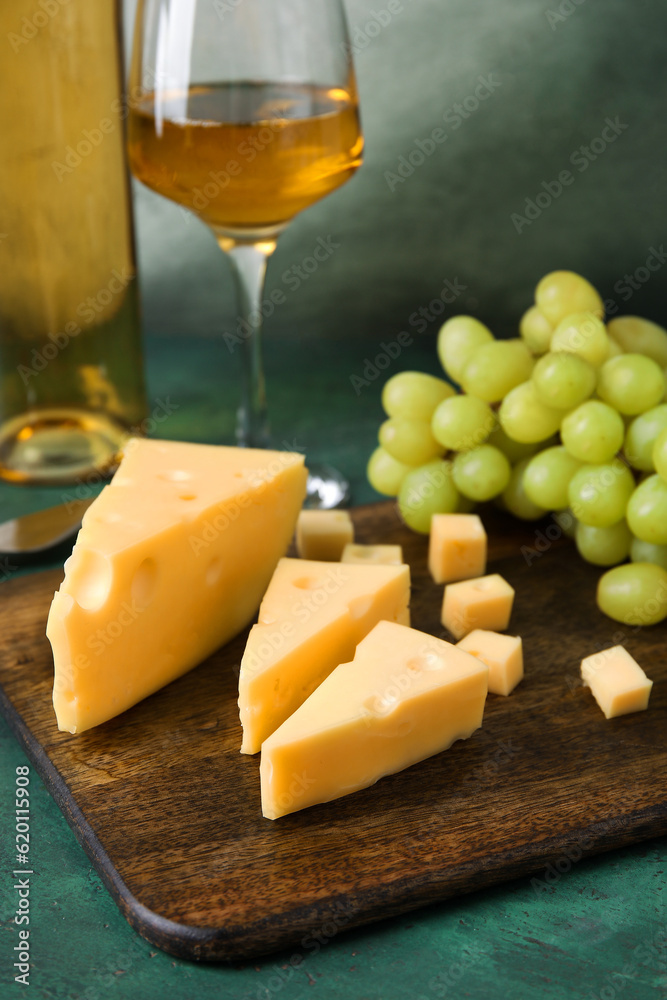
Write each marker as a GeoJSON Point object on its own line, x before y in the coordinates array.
{"type": "Point", "coordinates": [570, 416]}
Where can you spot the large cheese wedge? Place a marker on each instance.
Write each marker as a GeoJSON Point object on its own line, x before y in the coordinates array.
{"type": "Point", "coordinates": [311, 619]}
{"type": "Point", "coordinates": [171, 561]}
{"type": "Point", "coordinates": [405, 696]}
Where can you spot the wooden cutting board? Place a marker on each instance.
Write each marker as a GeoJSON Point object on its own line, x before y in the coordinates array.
{"type": "Point", "coordinates": [168, 810]}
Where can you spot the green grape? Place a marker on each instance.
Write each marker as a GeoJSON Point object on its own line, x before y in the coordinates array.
{"type": "Point", "coordinates": [426, 491]}
{"type": "Point", "coordinates": [525, 418]}
{"type": "Point", "coordinates": [659, 455]}
{"type": "Point", "coordinates": [641, 436]}
{"type": "Point", "coordinates": [635, 594]}
{"type": "Point", "coordinates": [603, 546]}
{"type": "Point", "coordinates": [561, 293]}
{"type": "Point", "coordinates": [494, 369]}
{"type": "Point", "coordinates": [548, 475]}
{"type": "Point", "coordinates": [516, 500]}
{"type": "Point", "coordinates": [631, 383]}
{"type": "Point", "coordinates": [458, 339]}
{"type": "Point", "coordinates": [384, 473]}
{"type": "Point", "coordinates": [647, 511]}
{"type": "Point", "coordinates": [516, 451]}
{"type": "Point", "coordinates": [615, 349]}
{"type": "Point", "coordinates": [640, 336]}
{"type": "Point", "coordinates": [563, 380]}
{"type": "Point", "coordinates": [482, 473]}
{"type": "Point", "coordinates": [409, 441]}
{"type": "Point", "coordinates": [462, 422]}
{"type": "Point", "coordinates": [583, 334]}
{"type": "Point", "coordinates": [414, 395]}
{"type": "Point", "coordinates": [648, 552]}
{"type": "Point", "coordinates": [599, 494]}
{"type": "Point", "coordinates": [594, 432]}
{"type": "Point", "coordinates": [536, 331]}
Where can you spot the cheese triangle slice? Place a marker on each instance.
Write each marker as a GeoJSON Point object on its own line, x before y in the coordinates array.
{"type": "Point", "coordinates": [405, 696]}
{"type": "Point", "coordinates": [311, 619]}
{"type": "Point", "coordinates": [171, 561]}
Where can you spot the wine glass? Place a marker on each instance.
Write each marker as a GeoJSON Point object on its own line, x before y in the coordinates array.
{"type": "Point", "coordinates": [246, 112]}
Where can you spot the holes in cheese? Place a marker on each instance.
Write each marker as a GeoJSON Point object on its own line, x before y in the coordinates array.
{"type": "Point", "coordinates": [371, 717]}
{"type": "Point", "coordinates": [311, 619]}
{"type": "Point", "coordinates": [143, 583]}
{"type": "Point", "coordinates": [92, 576]}
{"type": "Point", "coordinates": [155, 584]}
{"type": "Point", "coordinates": [214, 571]}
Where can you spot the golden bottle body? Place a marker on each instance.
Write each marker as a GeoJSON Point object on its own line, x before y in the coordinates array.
{"type": "Point", "coordinates": [71, 375]}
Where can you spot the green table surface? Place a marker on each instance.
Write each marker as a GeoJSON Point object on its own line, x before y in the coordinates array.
{"type": "Point", "coordinates": [598, 929]}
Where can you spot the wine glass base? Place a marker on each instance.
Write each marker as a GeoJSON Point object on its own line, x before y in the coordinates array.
{"type": "Point", "coordinates": [326, 488]}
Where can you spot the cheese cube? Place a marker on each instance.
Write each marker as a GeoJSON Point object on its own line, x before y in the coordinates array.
{"type": "Point", "coordinates": [503, 655]}
{"type": "Point", "coordinates": [485, 602]}
{"type": "Point", "coordinates": [405, 696]}
{"type": "Point", "coordinates": [457, 547]}
{"type": "Point", "coordinates": [618, 683]}
{"type": "Point", "coordinates": [386, 555]}
{"type": "Point", "coordinates": [323, 534]}
{"type": "Point", "coordinates": [311, 618]}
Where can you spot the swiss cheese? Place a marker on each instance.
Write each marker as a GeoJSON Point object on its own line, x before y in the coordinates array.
{"type": "Point", "coordinates": [323, 534]}
{"type": "Point", "coordinates": [405, 696]}
{"type": "Point", "coordinates": [388, 555]}
{"type": "Point", "coordinates": [617, 682]}
{"type": "Point", "coordinates": [457, 547]}
{"type": "Point", "coordinates": [484, 602]}
{"type": "Point", "coordinates": [503, 655]}
{"type": "Point", "coordinates": [311, 619]}
{"type": "Point", "coordinates": [171, 561]}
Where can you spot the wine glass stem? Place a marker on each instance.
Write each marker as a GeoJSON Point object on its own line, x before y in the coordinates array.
{"type": "Point", "coordinates": [248, 262]}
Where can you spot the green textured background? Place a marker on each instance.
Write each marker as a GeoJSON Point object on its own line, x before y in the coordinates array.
{"type": "Point", "coordinates": [590, 935]}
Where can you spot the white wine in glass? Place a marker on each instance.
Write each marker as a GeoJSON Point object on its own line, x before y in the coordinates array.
{"type": "Point", "coordinates": [245, 112]}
